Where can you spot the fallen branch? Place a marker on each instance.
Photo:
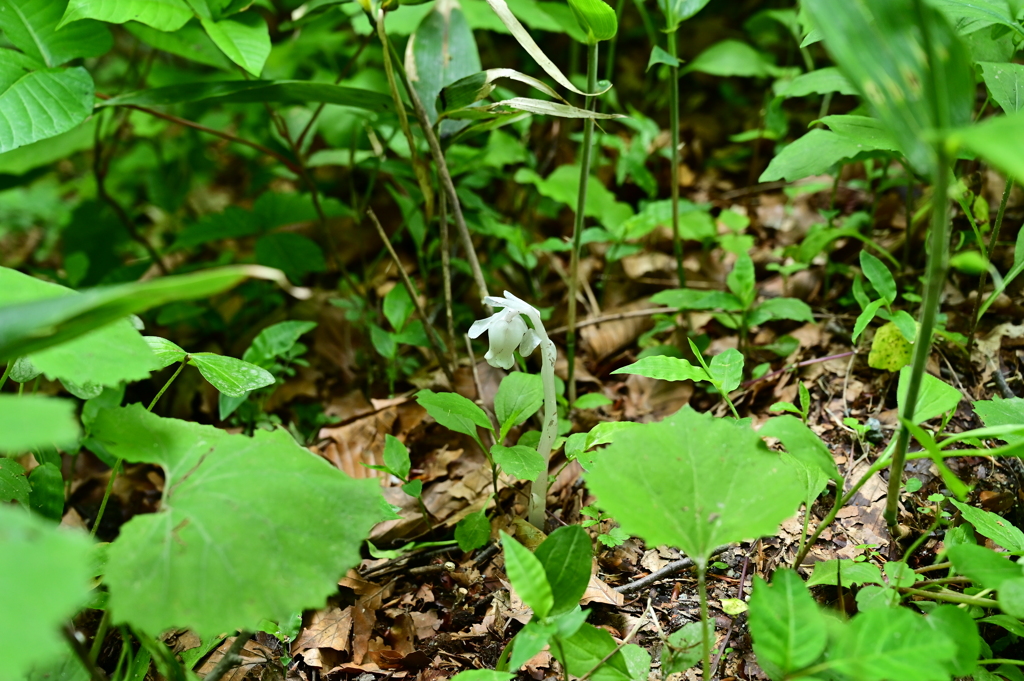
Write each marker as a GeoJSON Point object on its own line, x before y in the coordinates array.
{"type": "Point", "coordinates": [667, 571]}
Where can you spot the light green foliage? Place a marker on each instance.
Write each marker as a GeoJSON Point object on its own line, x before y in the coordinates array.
{"type": "Point", "coordinates": [724, 372]}
{"type": "Point", "coordinates": [443, 51]}
{"type": "Point", "coordinates": [935, 398]}
{"type": "Point", "coordinates": [589, 646]}
{"type": "Point", "coordinates": [993, 526]}
{"type": "Point", "coordinates": [851, 138]}
{"type": "Point", "coordinates": [454, 412]}
{"type": "Point", "coordinates": [473, 531]}
{"type": "Point", "coordinates": [528, 576]}
{"type": "Point", "coordinates": [164, 15]}
{"type": "Point", "coordinates": [789, 631]}
{"type": "Point", "coordinates": [892, 643]}
{"type": "Point", "coordinates": [682, 649]}
{"type": "Point", "coordinates": [1005, 83]}
{"type": "Point", "coordinates": [519, 461]}
{"type": "Point", "coordinates": [566, 556]}
{"type": "Point", "coordinates": [596, 18]}
{"type": "Point", "coordinates": [217, 505]}
{"type": "Point", "coordinates": [46, 495]}
{"type": "Point", "coordinates": [984, 566]}
{"type": "Point", "coordinates": [33, 421]}
{"type": "Point", "coordinates": [31, 25]}
{"type": "Point", "coordinates": [695, 482]}
{"type": "Point", "coordinates": [677, 11]}
{"type": "Point", "coordinates": [880, 46]}
{"type": "Point", "coordinates": [850, 573]}
{"type": "Point", "coordinates": [519, 397]}
{"type": "Point", "coordinates": [50, 567]}
{"type": "Point", "coordinates": [1002, 413]}
{"type": "Point", "coordinates": [818, 82]}
{"type": "Point", "coordinates": [733, 58]}
{"type": "Point", "coordinates": [13, 484]}
{"type": "Point", "coordinates": [231, 376]}
{"type": "Point", "coordinates": [890, 350]}
{"type": "Point", "coordinates": [244, 39]}
{"type": "Point", "coordinates": [42, 104]}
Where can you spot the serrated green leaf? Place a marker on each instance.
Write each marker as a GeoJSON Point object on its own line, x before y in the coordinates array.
{"type": "Point", "coordinates": [567, 557]}
{"type": "Point", "coordinates": [33, 421]}
{"type": "Point", "coordinates": [31, 25]}
{"type": "Point", "coordinates": [995, 527]}
{"type": "Point", "coordinates": [519, 461]}
{"type": "Point", "coordinates": [185, 565]}
{"type": "Point", "coordinates": [51, 567]}
{"type": "Point", "coordinates": [695, 482]}
{"type": "Point", "coordinates": [231, 376]}
{"type": "Point", "coordinates": [43, 104]}
{"type": "Point", "coordinates": [788, 629]}
{"type": "Point", "coordinates": [527, 576]}
{"type": "Point", "coordinates": [163, 15]}
{"type": "Point", "coordinates": [244, 39]}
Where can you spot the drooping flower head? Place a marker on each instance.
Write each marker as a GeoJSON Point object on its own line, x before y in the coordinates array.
{"type": "Point", "coordinates": [506, 330]}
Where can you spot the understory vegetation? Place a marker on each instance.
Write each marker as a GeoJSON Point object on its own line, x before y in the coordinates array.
{"type": "Point", "coordinates": [497, 339]}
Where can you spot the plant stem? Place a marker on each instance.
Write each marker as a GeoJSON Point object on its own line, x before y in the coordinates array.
{"type": "Point", "coordinates": [101, 633]}
{"type": "Point", "coordinates": [951, 597]}
{"type": "Point", "coordinates": [1002, 661]}
{"type": "Point", "coordinates": [7, 372]}
{"type": "Point", "coordinates": [677, 245]}
{"type": "Point", "coordinates": [577, 229]}
{"type": "Point", "coordinates": [936, 270]}
{"type": "Point", "coordinates": [539, 489]}
{"type": "Point", "coordinates": [446, 271]}
{"type": "Point", "coordinates": [705, 636]}
{"type": "Point", "coordinates": [82, 654]}
{"type": "Point", "coordinates": [983, 279]}
{"type": "Point", "coordinates": [167, 385]}
{"type": "Point", "coordinates": [231, 657]}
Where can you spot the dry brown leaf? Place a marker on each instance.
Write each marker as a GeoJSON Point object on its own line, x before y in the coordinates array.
{"type": "Point", "coordinates": [363, 619]}
{"type": "Point", "coordinates": [253, 655]}
{"type": "Point", "coordinates": [359, 442]}
{"type": "Point", "coordinates": [329, 628]}
{"type": "Point", "coordinates": [599, 592]}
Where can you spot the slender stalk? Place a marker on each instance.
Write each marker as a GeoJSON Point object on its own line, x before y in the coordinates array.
{"type": "Point", "coordinates": [167, 385]}
{"type": "Point", "coordinates": [577, 229]}
{"type": "Point", "coordinates": [7, 372]}
{"type": "Point", "coordinates": [936, 271]}
{"type": "Point", "coordinates": [983, 279]}
{"type": "Point", "coordinates": [101, 633]}
{"type": "Point", "coordinates": [951, 597]}
{"type": "Point", "coordinates": [446, 271]}
{"type": "Point", "coordinates": [95, 673]}
{"type": "Point", "coordinates": [705, 637]}
{"type": "Point", "coordinates": [677, 245]}
{"type": "Point", "coordinates": [539, 489]}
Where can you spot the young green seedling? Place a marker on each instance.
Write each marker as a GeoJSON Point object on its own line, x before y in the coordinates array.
{"type": "Point", "coordinates": [885, 286]}
{"type": "Point", "coordinates": [398, 464]}
{"type": "Point", "coordinates": [805, 404]}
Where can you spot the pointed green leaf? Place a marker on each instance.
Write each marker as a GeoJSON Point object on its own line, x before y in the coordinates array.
{"type": "Point", "coordinates": [567, 557]}
{"type": "Point", "coordinates": [879, 276]}
{"type": "Point", "coordinates": [231, 376]}
{"type": "Point", "coordinates": [666, 369]}
{"type": "Point", "coordinates": [473, 531]}
{"type": "Point", "coordinates": [892, 643]}
{"type": "Point", "coordinates": [43, 104]}
{"type": "Point", "coordinates": [454, 412]}
{"type": "Point", "coordinates": [32, 26]}
{"type": "Point", "coordinates": [13, 484]}
{"type": "Point", "coordinates": [727, 369]}
{"type": "Point", "coordinates": [519, 397]}
{"type": "Point", "coordinates": [865, 317]}
{"type": "Point", "coordinates": [800, 441]}
{"type": "Point", "coordinates": [527, 576]}
{"type": "Point", "coordinates": [443, 50]}
{"type": "Point", "coordinates": [530, 641]}
{"type": "Point", "coordinates": [244, 39]}
{"type": "Point", "coordinates": [165, 352]}
{"type": "Point", "coordinates": [1002, 413]}
{"type": "Point", "coordinates": [587, 649]}
{"type": "Point", "coordinates": [46, 495]}
{"type": "Point", "coordinates": [847, 572]}
{"type": "Point", "coordinates": [935, 398]}
{"type": "Point", "coordinates": [276, 340]}
{"type": "Point", "coordinates": [984, 566]}
{"type": "Point", "coordinates": [995, 527]}
{"type": "Point", "coordinates": [788, 629]}
{"type": "Point", "coordinates": [597, 19]}
{"type": "Point", "coordinates": [781, 308]}
{"type": "Point", "coordinates": [185, 565]}
{"type": "Point", "coordinates": [741, 280]}
{"type": "Point", "coordinates": [524, 463]}
{"type": "Point", "coordinates": [396, 457]}
{"type": "Point", "coordinates": [1005, 82]}
{"type": "Point", "coordinates": [163, 15]}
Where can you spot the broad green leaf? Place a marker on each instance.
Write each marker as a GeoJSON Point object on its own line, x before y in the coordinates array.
{"type": "Point", "coordinates": [781, 308]}
{"type": "Point", "coordinates": [695, 224]}
{"type": "Point", "coordinates": [741, 280]}
{"type": "Point", "coordinates": [244, 39]}
{"type": "Point", "coordinates": [890, 350]}
{"type": "Point", "coordinates": [33, 421]}
{"type": "Point", "coordinates": [524, 463]}
{"type": "Point", "coordinates": [527, 576]}
{"type": "Point", "coordinates": [984, 566]}
{"type": "Point", "coordinates": [13, 484]}
{"type": "Point", "coordinates": [1011, 597]}
{"type": "Point", "coordinates": [813, 154]}
{"type": "Point", "coordinates": [935, 398]}
{"type": "Point", "coordinates": [587, 648]}
{"type": "Point", "coordinates": [519, 397]}
{"type": "Point", "coordinates": [788, 629]}
{"type": "Point", "coordinates": [443, 50]}
{"type": "Point", "coordinates": [414, 488]}
{"type": "Point", "coordinates": [995, 527]}
{"type": "Point", "coordinates": [660, 56]}
{"type": "Point", "coordinates": [666, 369]}
{"type": "Point", "coordinates": [879, 276]}
{"type": "Point", "coordinates": [1002, 413]}
{"type": "Point", "coordinates": [51, 567]}
{"type": "Point", "coordinates": [1005, 82]}
{"type": "Point", "coordinates": [189, 42]}
{"type": "Point", "coordinates": [850, 573]}
{"type": "Point", "coordinates": [293, 254]}
{"type": "Point", "coordinates": [957, 625]}
{"type": "Point", "coordinates": [530, 641]}
{"type": "Point", "coordinates": [907, 63]}
{"type": "Point", "coordinates": [231, 376]}
{"type": "Point", "coordinates": [276, 340]}
{"type": "Point", "coordinates": [727, 369]}
{"type": "Point", "coordinates": [683, 649]}
{"type": "Point", "coordinates": [398, 306]}
{"type": "Point", "coordinates": [43, 104]}
{"type": "Point", "coordinates": [865, 317]}
{"type": "Point", "coordinates": [997, 140]}
{"type": "Point", "coordinates": [596, 18]}
{"type": "Point", "coordinates": [732, 58]}
{"type": "Point", "coordinates": [591, 401]}
{"type": "Point", "coordinates": [185, 565]}
{"type": "Point", "coordinates": [164, 15]}
{"type": "Point", "coordinates": [695, 482]}
{"type": "Point", "coordinates": [165, 352]}
{"type": "Point", "coordinates": [892, 643]}
{"type": "Point", "coordinates": [563, 185]}
{"type": "Point", "coordinates": [801, 442]}
{"type": "Point", "coordinates": [567, 557]}
{"type": "Point", "coordinates": [473, 531]}
{"type": "Point", "coordinates": [46, 491]}
{"type": "Point", "coordinates": [454, 412]}
{"type": "Point", "coordinates": [396, 457]}
{"type": "Point", "coordinates": [33, 319]}
{"type": "Point", "coordinates": [969, 16]}
{"type": "Point", "coordinates": [693, 299]}
{"type": "Point", "coordinates": [818, 82]}
{"type": "Point", "coordinates": [1011, 624]}
{"type": "Point", "coordinates": [31, 25]}
{"type": "Point", "coordinates": [255, 91]}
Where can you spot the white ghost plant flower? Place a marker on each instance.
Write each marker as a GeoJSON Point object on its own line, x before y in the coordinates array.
{"type": "Point", "coordinates": [506, 330]}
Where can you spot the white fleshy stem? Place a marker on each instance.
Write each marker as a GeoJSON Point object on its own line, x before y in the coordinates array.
{"type": "Point", "coordinates": [539, 489]}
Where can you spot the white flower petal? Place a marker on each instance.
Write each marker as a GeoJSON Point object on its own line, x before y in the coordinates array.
{"type": "Point", "coordinates": [495, 301]}
{"type": "Point", "coordinates": [530, 342]}
{"type": "Point", "coordinates": [520, 305]}
{"type": "Point", "coordinates": [481, 325]}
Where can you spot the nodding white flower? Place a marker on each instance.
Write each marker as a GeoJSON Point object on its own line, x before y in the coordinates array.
{"type": "Point", "coordinates": [506, 330]}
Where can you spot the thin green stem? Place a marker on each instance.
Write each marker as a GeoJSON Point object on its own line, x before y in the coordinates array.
{"type": "Point", "coordinates": [999, 660]}
{"type": "Point", "coordinates": [951, 597]}
{"type": "Point", "coordinates": [936, 272]}
{"type": "Point", "coordinates": [7, 372]}
{"type": "Point", "coordinates": [673, 74]}
{"type": "Point", "coordinates": [993, 238]}
{"type": "Point", "coordinates": [101, 633]}
{"type": "Point", "coordinates": [577, 230]}
{"type": "Point", "coordinates": [705, 638]}
{"type": "Point", "coordinates": [167, 385]}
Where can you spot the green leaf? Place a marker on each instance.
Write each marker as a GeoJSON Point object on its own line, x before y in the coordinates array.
{"type": "Point", "coordinates": [865, 317]}
{"type": "Point", "coordinates": [591, 401]}
{"type": "Point", "coordinates": [189, 42]}
{"type": "Point", "coordinates": [1002, 413]}
{"type": "Point", "coordinates": [693, 299]}
{"type": "Point", "coordinates": [165, 352]}
{"type": "Point", "coordinates": [396, 457]}
{"type": "Point", "coordinates": [46, 496]}
{"type": "Point", "coordinates": [398, 307]}
{"type": "Point", "coordinates": [43, 104]}
{"type": "Point", "coordinates": [31, 25]}
{"type": "Point", "coordinates": [984, 566]}
{"type": "Point", "coordinates": [1011, 597]}
{"type": "Point", "coordinates": [13, 484]}
{"type": "Point", "coordinates": [850, 573]}
{"type": "Point", "coordinates": [665, 368]}
{"type": "Point", "coordinates": [741, 280]}
{"type": "Point", "coordinates": [660, 56]}
{"type": "Point", "coordinates": [906, 324]}
{"type": "Point", "coordinates": [442, 51]}
{"type": "Point", "coordinates": [1005, 82]}
{"type": "Point", "coordinates": [527, 576]}
{"type": "Point", "coordinates": [676, 11]}
{"type": "Point", "coordinates": [879, 276]}
{"type": "Point", "coordinates": [519, 397]}
{"type": "Point", "coordinates": [892, 643]}
{"type": "Point", "coordinates": [530, 641]}
{"type": "Point", "coordinates": [997, 140]}
{"type": "Point", "coordinates": [231, 376]}
{"type": "Point", "coordinates": [695, 224]}
{"type": "Point", "coordinates": [223, 495]}
{"type": "Point", "coordinates": [800, 441]}
{"type": "Point", "coordinates": [454, 412]}
{"type": "Point", "coordinates": [781, 308]}
{"type": "Point", "coordinates": [890, 350]}
{"type": "Point", "coordinates": [524, 463]}
{"type": "Point", "coordinates": [788, 629]}
{"type": "Point", "coordinates": [818, 82]}
{"type": "Point", "coordinates": [33, 319]}
{"type": "Point", "coordinates": [995, 527]}
{"type": "Point", "coordinates": [30, 422]}
{"type": "Point", "coordinates": [244, 39]}
{"type": "Point", "coordinates": [884, 47]}
{"type": "Point", "coordinates": [473, 531]}
{"type": "Point", "coordinates": [567, 557]}
{"type": "Point", "coordinates": [683, 649]}
{"type": "Point", "coordinates": [293, 254]}
{"type": "Point", "coordinates": [51, 567]}
{"type": "Point", "coordinates": [164, 15]}
{"type": "Point", "coordinates": [255, 91]}
{"type": "Point", "coordinates": [733, 58]}
{"type": "Point", "coordinates": [588, 648]}
{"type": "Point", "coordinates": [695, 482]}
{"type": "Point", "coordinates": [275, 341]}
{"type": "Point", "coordinates": [414, 488]}
{"type": "Point", "coordinates": [483, 675]}
{"type": "Point", "coordinates": [815, 154]}
{"type": "Point", "coordinates": [1011, 624]}
{"type": "Point", "coordinates": [726, 369]}
{"type": "Point", "coordinates": [596, 18]}
{"type": "Point", "coordinates": [957, 625]}
{"type": "Point", "coordinates": [936, 397]}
